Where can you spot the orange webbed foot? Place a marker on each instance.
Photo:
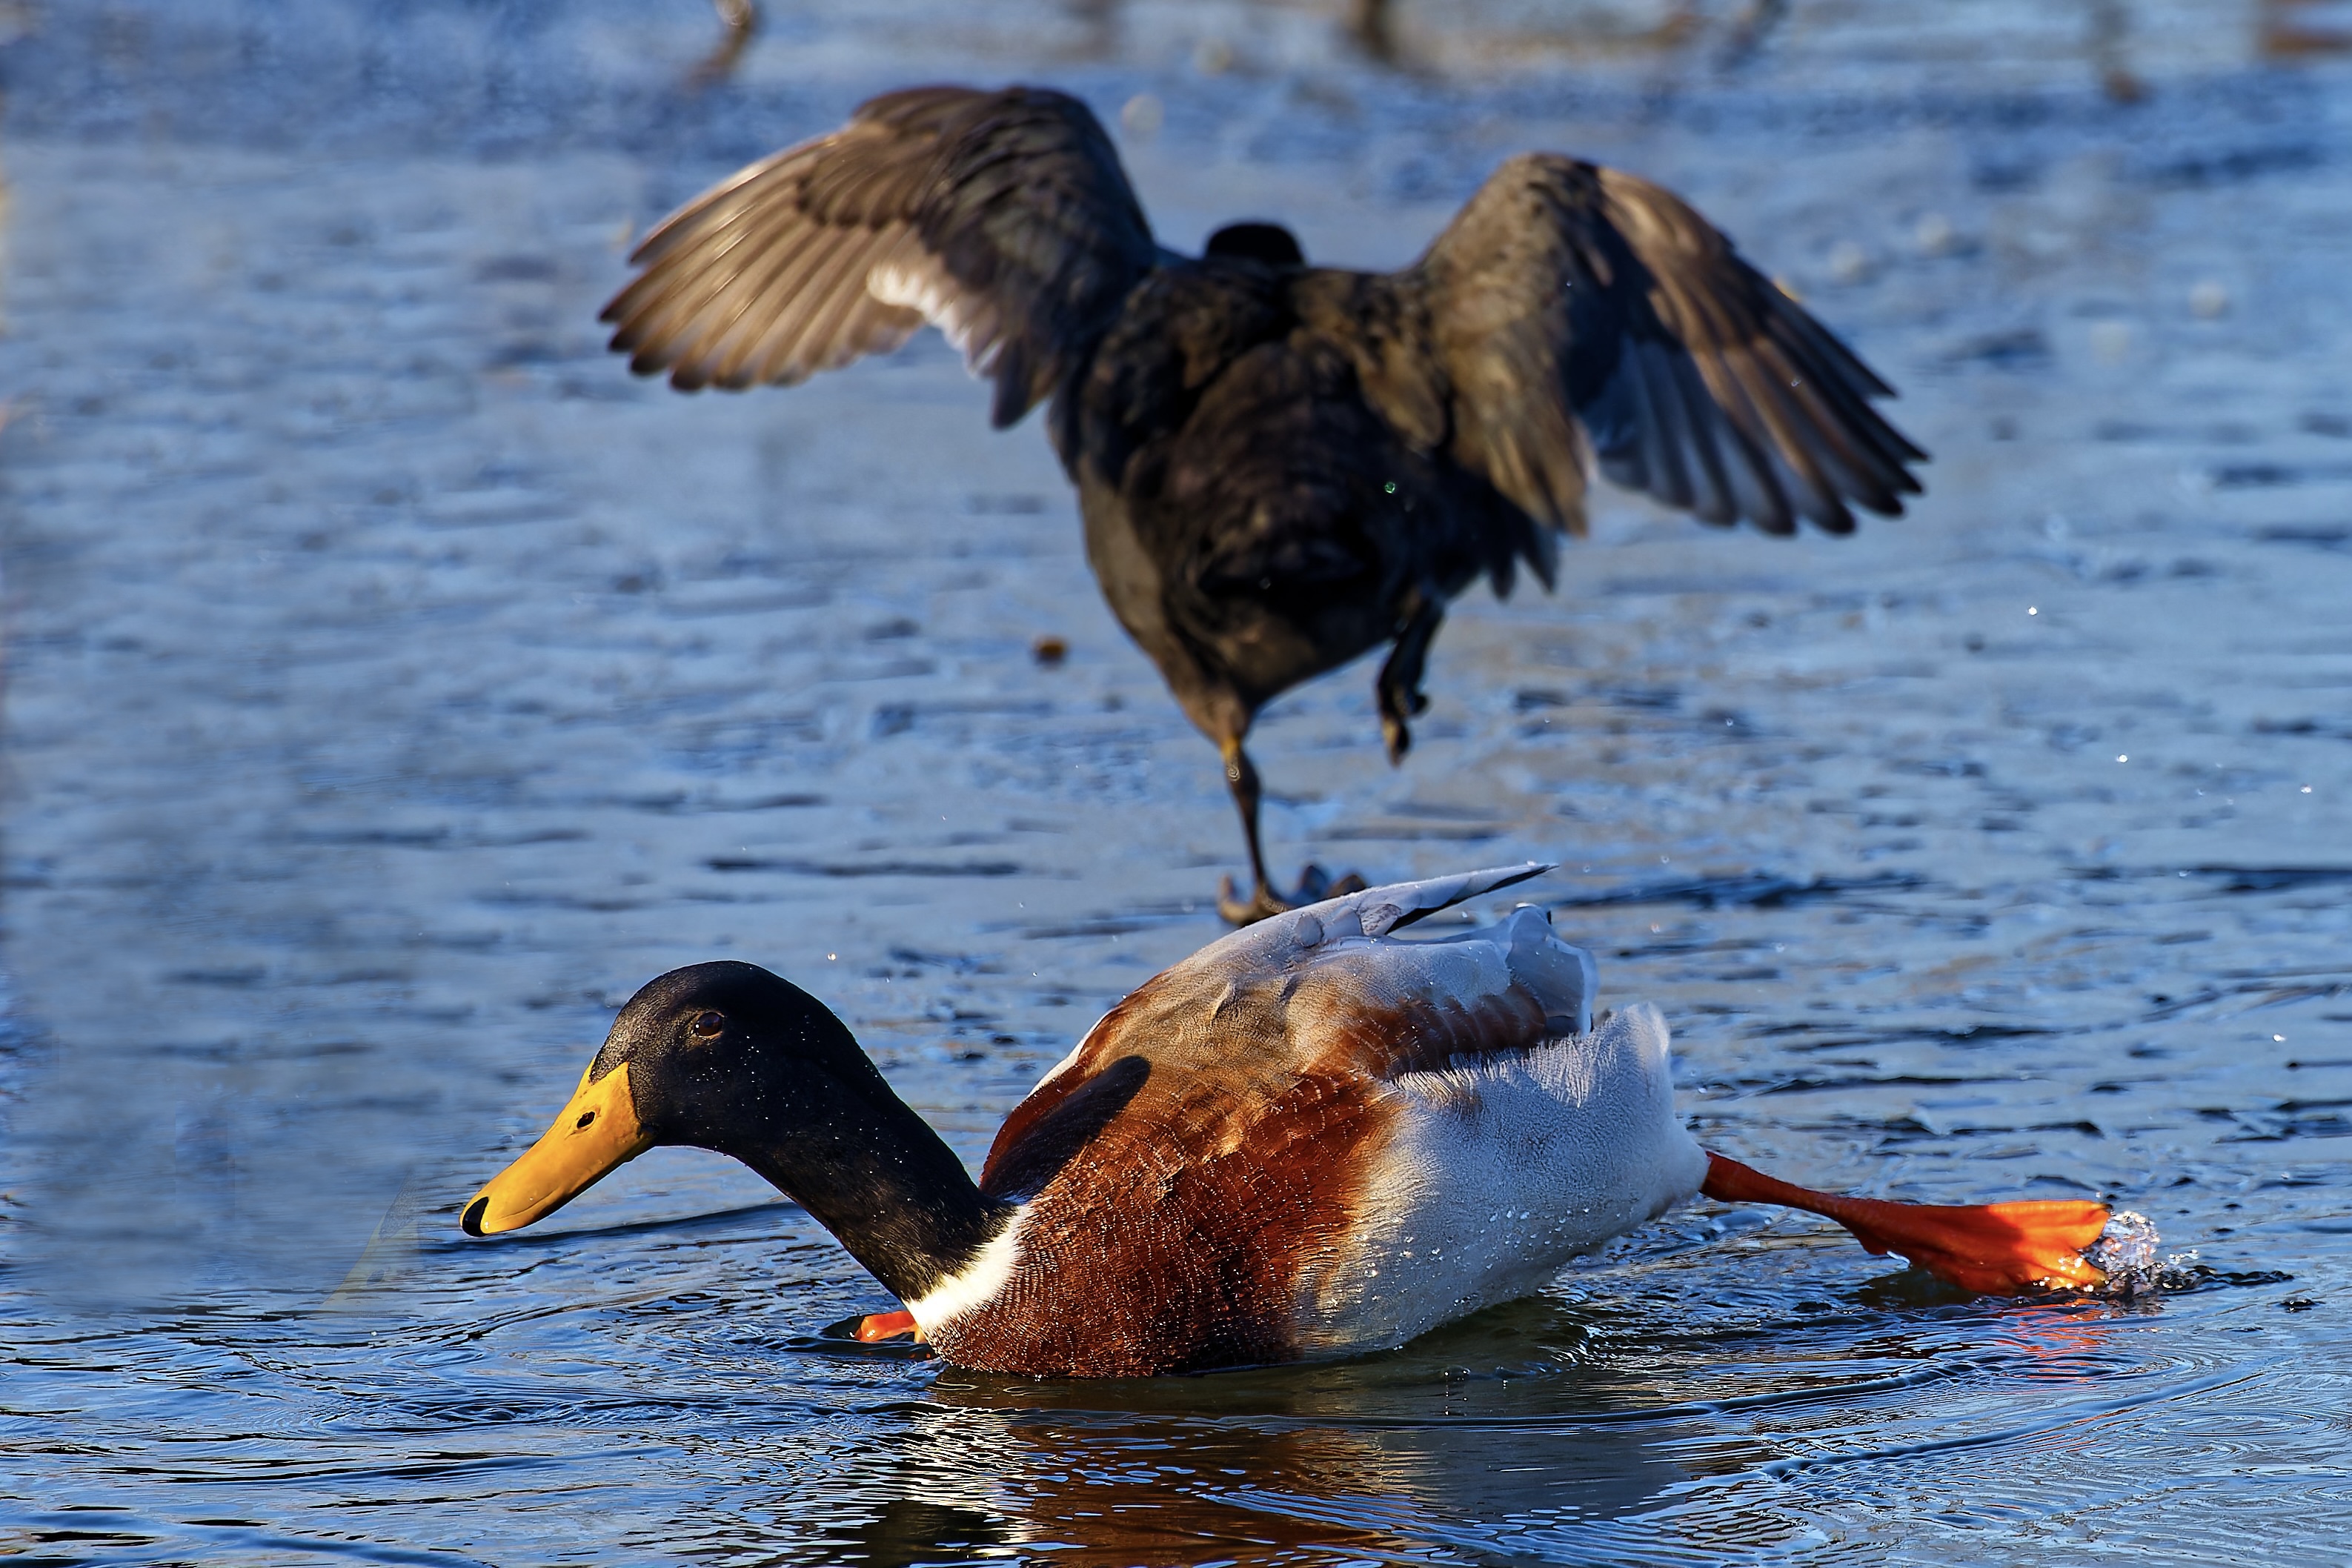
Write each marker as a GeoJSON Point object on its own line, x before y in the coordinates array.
{"type": "Point", "coordinates": [1998, 1249]}
{"type": "Point", "coordinates": [875, 1327]}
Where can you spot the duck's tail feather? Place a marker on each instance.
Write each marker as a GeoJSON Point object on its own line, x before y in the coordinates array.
{"type": "Point", "coordinates": [1398, 905]}
{"type": "Point", "coordinates": [1993, 1247]}
{"type": "Point", "coordinates": [1373, 912]}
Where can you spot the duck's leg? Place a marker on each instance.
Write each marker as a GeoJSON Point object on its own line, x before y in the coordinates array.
{"type": "Point", "coordinates": [1997, 1247]}
{"type": "Point", "coordinates": [738, 19]}
{"type": "Point", "coordinates": [1398, 688]}
{"type": "Point", "coordinates": [1241, 777]}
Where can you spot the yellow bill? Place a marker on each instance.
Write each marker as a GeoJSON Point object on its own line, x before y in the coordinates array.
{"type": "Point", "coordinates": [595, 1133]}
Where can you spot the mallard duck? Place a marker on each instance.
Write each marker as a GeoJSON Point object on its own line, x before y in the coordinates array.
{"type": "Point", "coordinates": [1280, 467]}
{"type": "Point", "coordinates": [1310, 1139]}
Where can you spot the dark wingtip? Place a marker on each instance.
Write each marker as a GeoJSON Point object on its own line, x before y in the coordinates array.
{"type": "Point", "coordinates": [471, 1221]}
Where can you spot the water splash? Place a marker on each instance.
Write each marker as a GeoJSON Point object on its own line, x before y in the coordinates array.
{"type": "Point", "coordinates": [2125, 1254]}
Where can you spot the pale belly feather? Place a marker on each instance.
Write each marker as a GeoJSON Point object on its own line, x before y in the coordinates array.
{"type": "Point", "coordinates": [1498, 1172]}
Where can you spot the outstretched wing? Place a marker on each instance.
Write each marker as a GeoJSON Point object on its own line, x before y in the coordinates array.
{"type": "Point", "coordinates": [1570, 306]}
{"type": "Point", "coordinates": [1003, 218]}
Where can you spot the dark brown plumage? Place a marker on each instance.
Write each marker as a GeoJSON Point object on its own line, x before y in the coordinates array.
{"type": "Point", "coordinates": [1281, 466]}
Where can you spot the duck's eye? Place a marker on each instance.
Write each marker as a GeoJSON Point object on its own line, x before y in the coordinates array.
{"type": "Point", "coordinates": [705, 1026]}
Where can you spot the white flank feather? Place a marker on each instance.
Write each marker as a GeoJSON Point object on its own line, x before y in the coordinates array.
{"type": "Point", "coordinates": [1500, 1171]}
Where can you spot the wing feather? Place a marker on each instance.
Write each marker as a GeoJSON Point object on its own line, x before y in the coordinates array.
{"type": "Point", "coordinates": [664, 302]}
{"type": "Point", "coordinates": [1686, 481]}
{"type": "Point", "coordinates": [1575, 310]}
{"type": "Point", "coordinates": [1001, 217]}
{"type": "Point", "coordinates": [784, 309]}
{"type": "Point", "coordinates": [760, 292]}
{"type": "Point", "coordinates": [1317, 990]}
{"type": "Point", "coordinates": [1855, 466]}
{"type": "Point", "coordinates": [797, 344]}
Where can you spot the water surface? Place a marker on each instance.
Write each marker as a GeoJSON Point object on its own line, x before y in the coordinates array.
{"type": "Point", "coordinates": [394, 685]}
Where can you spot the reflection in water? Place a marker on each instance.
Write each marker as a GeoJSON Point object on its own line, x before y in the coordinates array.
{"type": "Point", "coordinates": [1111, 1489]}
{"type": "Point", "coordinates": [1512, 1433]}
{"type": "Point", "coordinates": [1378, 1456]}
{"type": "Point", "coordinates": [909, 1532]}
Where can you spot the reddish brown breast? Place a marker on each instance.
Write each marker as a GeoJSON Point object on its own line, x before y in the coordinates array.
{"type": "Point", "coordinates": [1203, 1154]}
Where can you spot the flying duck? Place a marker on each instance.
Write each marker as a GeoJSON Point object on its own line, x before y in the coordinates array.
{"type": "Point", "coordinates": [1310, 1139]}
{"type": "Point", "coordinates": [1280, 467]}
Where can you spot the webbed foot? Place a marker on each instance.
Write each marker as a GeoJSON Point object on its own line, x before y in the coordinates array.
{"type": "Point", "coordinates": [877, 1327]}
{"type": "Point", "coordinates": [1315, 884]}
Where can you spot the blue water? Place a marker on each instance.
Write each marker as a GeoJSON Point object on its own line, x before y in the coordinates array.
{"type": "Point", "coordinates": [394, 685]}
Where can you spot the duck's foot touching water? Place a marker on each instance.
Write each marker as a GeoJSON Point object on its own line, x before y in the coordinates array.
{"type": "Point", "coordinates": [875, 1327]}
{"type": "Point", "coordinates": [1999, 1249]}
{"type": "Point", "coordinates": [1315, 884]}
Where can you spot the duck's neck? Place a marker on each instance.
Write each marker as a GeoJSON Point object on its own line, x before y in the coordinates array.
{"type": "Point", "coordinates": [874, 1174]}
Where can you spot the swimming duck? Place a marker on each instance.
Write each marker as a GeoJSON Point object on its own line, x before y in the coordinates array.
{"type": "Point", "coordinates": [1310, 1139]}
{"type": "Point", "coordinates": [1280, 467]}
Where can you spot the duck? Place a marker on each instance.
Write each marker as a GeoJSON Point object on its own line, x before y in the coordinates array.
{"type": "Point", "coordinates": [1315, 1138]}
{"type": "Point", "coordinates": [1279, 467]}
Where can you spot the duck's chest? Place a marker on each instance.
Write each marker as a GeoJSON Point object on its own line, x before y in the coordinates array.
{"type": "Point", "coordinates": [1182, 1242]}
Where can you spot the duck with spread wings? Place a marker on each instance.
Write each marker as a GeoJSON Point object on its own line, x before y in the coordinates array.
{"type": "Point", "coordinates": [1280, 467]}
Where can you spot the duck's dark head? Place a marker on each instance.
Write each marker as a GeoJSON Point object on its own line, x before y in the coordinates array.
{"type": "Point", "coordinates": [717, 1056]}
{"type": "Point", "coordinates": [1268, 243]}
{"type": "Point", "coordinates": [730, 1058]}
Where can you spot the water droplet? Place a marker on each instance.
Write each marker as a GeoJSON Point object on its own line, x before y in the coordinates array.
{"type": "Point", "coordinates": [1142, 115]}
